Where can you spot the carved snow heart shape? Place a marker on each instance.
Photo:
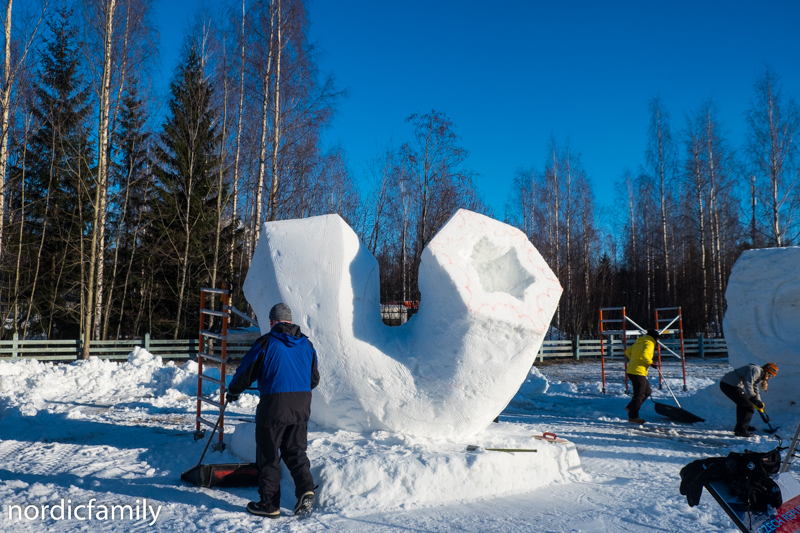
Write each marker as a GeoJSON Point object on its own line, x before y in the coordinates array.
{"type": "Point", "coordinates": [487, 300]}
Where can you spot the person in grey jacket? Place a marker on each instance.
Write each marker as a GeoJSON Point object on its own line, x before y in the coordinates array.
{"type": "Point", "coordinates": [742, 386]}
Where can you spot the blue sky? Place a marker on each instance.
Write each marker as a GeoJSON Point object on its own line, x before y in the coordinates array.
{"type": "Point", "coordinates": [512, 74]}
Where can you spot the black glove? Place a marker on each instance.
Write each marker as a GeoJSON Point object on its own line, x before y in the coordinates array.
{"type": "Point", "coordinates": [230, 397]}
{"type": "Point", "coordinates": [759, 404]}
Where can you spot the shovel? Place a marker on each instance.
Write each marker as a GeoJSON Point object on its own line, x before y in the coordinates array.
{"type": "Point", "coordinates": [222, 474]}
{"type": "Point", "coordinates": [670, 411]}
{"type": "Point", "coordinates": [765, 418]}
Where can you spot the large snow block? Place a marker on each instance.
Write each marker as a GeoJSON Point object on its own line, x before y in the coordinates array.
{"type": "Point", "coordinates": [762, 321]}
{"type": "Point", "coordinates": [389, 471]}
{"type": "Point", "coordinates": [487, 300]}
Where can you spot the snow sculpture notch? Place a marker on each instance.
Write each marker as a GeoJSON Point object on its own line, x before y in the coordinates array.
{"type": "Point", "coordinates": [487, 300]}
{"type": "Point", "coordinates": [762, 320]}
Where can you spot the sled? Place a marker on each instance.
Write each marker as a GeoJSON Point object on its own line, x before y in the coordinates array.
{"type": "Point", "coordinates": [676, 413]}
{"type": "Point", "coordinates": [222, 474]}
{"type": "Point", "coordinates": [785, 519]}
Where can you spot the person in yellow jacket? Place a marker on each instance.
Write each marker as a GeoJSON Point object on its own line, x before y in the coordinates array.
{"type": "Point", "coordinates": [640, 359]}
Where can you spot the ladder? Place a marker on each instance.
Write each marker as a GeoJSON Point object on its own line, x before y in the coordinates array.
{"type": "Point", "coordinates": [666, 325]}
{"type": "Point", "coordinates": [606, 339]}
{"type": "Point", "coordinates": [220, 334]}
{"type": "Point", "coordinates": [790, 453]}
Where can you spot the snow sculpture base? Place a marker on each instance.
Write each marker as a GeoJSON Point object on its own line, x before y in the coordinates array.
{"type": "Point", "coordinates": [762, 321]}
{"type": "Point", "coordinates": [487, 301]}
{"type": "Point", "coordinates": [384, 471]}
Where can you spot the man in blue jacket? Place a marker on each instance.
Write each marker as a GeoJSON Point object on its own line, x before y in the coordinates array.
{"type": "Point", "coordinates": [285, 364]}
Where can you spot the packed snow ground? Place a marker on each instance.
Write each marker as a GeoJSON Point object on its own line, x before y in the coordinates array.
{"type": "Point", "coordinates": [122, 434]}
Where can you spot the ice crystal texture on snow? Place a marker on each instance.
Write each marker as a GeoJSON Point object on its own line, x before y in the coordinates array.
{"type": "Point", "coordinates": [487, 300]}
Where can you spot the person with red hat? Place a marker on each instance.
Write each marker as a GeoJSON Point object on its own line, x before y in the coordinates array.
{"type": "Point", "coordinates": [742, 386]}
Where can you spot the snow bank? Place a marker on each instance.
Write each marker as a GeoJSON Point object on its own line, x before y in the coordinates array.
{"type": "Point", "coordinates": [487, 301]}
{"type": "Point", "coordinates": [762, 321]}
{"type": "Point", "coordinates": [28, 386]}
{"type": "Point", "coordinates": [388, 471]}
{"type": "Point", "coordinates": [535, 383]}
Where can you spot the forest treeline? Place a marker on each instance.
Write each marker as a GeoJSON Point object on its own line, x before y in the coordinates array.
{"type": "Point", "coordinates": [119, 203]}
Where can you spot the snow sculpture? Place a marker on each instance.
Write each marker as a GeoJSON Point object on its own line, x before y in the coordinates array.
{"type": "Point", "coordinates": [487, 301]}
{"type": "Point", "coordinates": [762, 321]}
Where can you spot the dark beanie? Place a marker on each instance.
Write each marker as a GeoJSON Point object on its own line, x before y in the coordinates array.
{"type": "Point", "coordinates": [280, 313]}
{"type": "Point", "coordinates": [653, 333]}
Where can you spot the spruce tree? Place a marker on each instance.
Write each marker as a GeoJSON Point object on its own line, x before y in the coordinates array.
{"type": "Point", "coordinates": [59, 185]}
{"type": "Point", "coordinates": [184, 200]}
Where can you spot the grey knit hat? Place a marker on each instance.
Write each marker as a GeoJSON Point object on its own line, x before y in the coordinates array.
{"type": "Point", "coordinates": [280, 313]}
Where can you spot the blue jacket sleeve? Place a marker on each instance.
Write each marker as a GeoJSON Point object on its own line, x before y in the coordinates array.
{"type": "Point", "coordinates": [314, 370]}
{"type": "Point", "coordinates": [248, 371]}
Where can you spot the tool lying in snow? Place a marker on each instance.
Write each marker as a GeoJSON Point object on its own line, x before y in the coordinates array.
{"type": "Point", "coordinates": [678, 414]}
{"type": "Point", "coordinates": [765, 418]}
{"type": "Point", "coordinates": [549, 437]}
{"type": "Point", "coordinates": [474, 448]}
{"type": "Point", "coordinates": [224, 474]}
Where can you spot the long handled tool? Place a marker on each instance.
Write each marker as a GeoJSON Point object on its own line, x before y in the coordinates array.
{"type": "Point", "coordinates": [676, 413]}
{"type": "Point", "coordinates": [765, 418]}
{"type": "Point", "coordinates": [475, 448]}
{"type": "Point", "coordinates": [221, 475]}
{"type": "Point", "coordinates": [668, 387]}
{"type": "Point", "coordinates": [213, 431]}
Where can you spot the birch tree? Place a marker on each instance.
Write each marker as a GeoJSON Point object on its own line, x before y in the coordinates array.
{"type": "Point", "coordinates": [12, 67]}
{"type": "Point", "coordinates": [772, 142]}
{"type": "Point", "coordinates": [107, 9]}
{"type": "Point", "coordinates": [660, 157]}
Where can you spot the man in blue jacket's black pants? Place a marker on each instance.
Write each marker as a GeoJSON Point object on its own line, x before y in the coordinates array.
{"type": "Point", "coordinates": [285, 364]}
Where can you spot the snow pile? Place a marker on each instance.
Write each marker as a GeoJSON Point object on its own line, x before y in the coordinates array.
{"type": "Point", "coordinates": [762, 321]}
{"type": "Point", "coordinates": [487, 301]}
{"type": "Point", "coordinates": [389, 471]}
{"type": "Point", "coordinates": [28, 386]}
{"type": "Point", "coordinates": [536, 383]}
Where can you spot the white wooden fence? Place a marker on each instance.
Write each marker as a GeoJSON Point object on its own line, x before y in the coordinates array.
{"type": "Point", "coordinates": [70, 350]}
{"type": "Point", "coordinates": [580, 348]}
